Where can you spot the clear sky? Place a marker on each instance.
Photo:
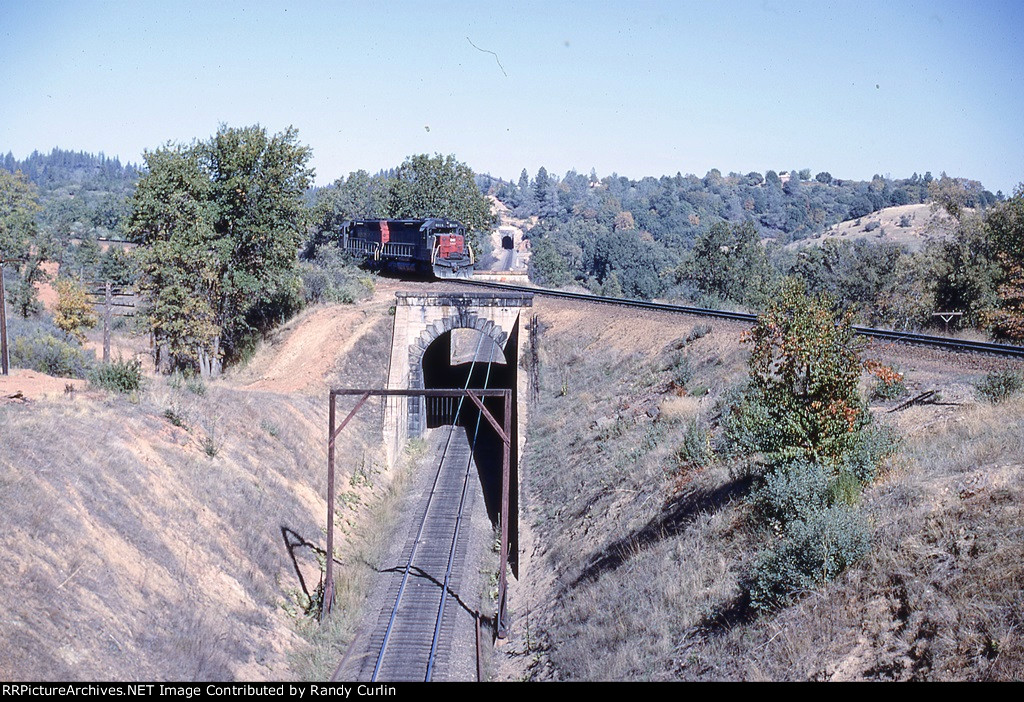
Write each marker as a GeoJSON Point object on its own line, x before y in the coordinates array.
{"type": "Point", "coordinates": [637, 88]}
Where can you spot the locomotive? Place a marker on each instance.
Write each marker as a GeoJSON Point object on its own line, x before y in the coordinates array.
{"type": "Point", "coordinates": [434, 245]}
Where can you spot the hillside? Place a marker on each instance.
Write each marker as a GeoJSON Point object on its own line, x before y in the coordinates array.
{"type": "Point", "coordinates": [634, 558]}
{"type": "Point", "coordinates": [173, 534]}
{"type": "Point", "coordinates": [911, 226]}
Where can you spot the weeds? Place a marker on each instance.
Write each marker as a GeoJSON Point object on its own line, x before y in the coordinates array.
{"type": "Point", "coordinates": [118, 376]}
{"type": "Point", "coordinates": [175, 417]}
{"type": "Point", "coordinates": [195, 385]}
{"type": "Point", "coordinates": [996, 386]}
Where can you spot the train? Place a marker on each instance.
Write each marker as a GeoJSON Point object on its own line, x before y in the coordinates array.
{"type": "Point", "coordinates": [435, 245]}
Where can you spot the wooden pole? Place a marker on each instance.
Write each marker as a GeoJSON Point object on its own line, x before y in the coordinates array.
{"type": "Point", "coordinates": [5, 363]}
{"type": "Point", "coordinates": [325, 606]}
{"type": "Point", "coordinates": [106, 324]}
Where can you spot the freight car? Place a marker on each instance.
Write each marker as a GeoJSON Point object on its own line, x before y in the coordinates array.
{"type": "Point", "coordinates": [435, 245]}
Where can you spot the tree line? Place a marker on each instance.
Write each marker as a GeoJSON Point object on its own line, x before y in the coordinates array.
{"type": "Point", "coordinates": [233, 237]}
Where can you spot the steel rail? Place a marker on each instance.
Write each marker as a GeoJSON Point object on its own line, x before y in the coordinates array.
{"type": "Point", "coordinates": [957, 345]}
{"type": "Point", "coordinates": [455, 535]}
{"type": "Point", "coordinates": [419, 533]}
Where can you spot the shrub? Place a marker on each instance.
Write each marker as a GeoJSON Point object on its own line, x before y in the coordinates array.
{"type": "Point", "coordinates": [682, 372]}
{"type": "Point", "coordinates": [748, 425]}
{"type": "Point", "coordinates": [871, 226]}
{"type": "Point", "coordinates": [999, 385]}
{"type": "Point", "coordinates": [813, 550]}
{"type": "Point", "coordinates": [867, 450]}
{"type": "Point", "coordinates": [175, 417]}
{"type": "Point", "coordinates": [804, 369]}
{"type": "Point", "coordinates": [41, 347]}
{"type": "Point", "coordinates": [695, 450]}
{"type": "Point", "coordinates": [118, 376]}
{"type": "Point", "coordinates": [791, 491]}
{"type": "Point", "coordinates": [196, 385]}
{"type": "Point", "coordinates": [889, 383]}
{"type": "Point", "coordinates": [699, 331]}
{"type": "Point", "coordinates": [331, 276]}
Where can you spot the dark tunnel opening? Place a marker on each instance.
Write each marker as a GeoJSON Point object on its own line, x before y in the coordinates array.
{"type": "Point", "coordinates": [448, 363]}
{"type": "Point", "coordinates": [507, 243]}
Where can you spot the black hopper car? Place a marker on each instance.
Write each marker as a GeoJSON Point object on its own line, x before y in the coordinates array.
{"type": "Point", "coordinates": [437, 246]}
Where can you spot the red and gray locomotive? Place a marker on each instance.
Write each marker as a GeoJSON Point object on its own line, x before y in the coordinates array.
{"type": "Point", "coordinates": [430, 245]}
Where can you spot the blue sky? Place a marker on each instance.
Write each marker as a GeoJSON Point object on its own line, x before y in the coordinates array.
{"type": "Point", "coordinates": [637, 88]}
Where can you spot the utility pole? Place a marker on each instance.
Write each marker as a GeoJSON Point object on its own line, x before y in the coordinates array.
{"type": "Point", "coordinates": [106, 324]}
{"type": "Point", "coordinates": [5, 361]}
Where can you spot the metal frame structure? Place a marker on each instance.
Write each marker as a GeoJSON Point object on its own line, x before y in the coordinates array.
{"type": "Point", "coordinates": [475, 395]}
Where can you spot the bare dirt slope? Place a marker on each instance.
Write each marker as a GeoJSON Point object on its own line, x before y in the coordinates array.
{"type": "Point", "coordinates": [24, 385]}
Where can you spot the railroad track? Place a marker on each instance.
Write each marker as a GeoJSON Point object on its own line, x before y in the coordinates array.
{"type": "Point", "coordinates": [958, 345]}
{"type": "Point", "coordinates": [411, 638]}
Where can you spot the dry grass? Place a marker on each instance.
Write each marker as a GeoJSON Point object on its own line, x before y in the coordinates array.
{"type": "Point", "coordinates": [925, 224]}
{"type": "Point", "coordinates": [636, 570]}
{"type": "Point", "coordinates": [129, 551]}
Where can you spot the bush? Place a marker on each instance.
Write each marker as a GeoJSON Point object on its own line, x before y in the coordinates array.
{"type": "Point", "coordinates": [41, 347]}
{"type": "Point", "coordinates": [331, 276]}
{"type": "Point", "coordinates": [748, 426]}
{"type": "Point", "coordinates": [681, 370]}
{"type": "Point", "coordinates": [869, 448]}
{"type": "Point", "coordinates": [695, 451]}
{"type": "Point", "coordinates": [789, 492]}
{"type": "Point", "coordinates": [813, 550]}
{"type": "Point", "coordinates": [999, 385]}
{"type": "Point", "coordinates": [888, 390]}
{"type": "Point", "coordinates": [699, 331]}
{"type": "Point", "coordinates": [118, 376]}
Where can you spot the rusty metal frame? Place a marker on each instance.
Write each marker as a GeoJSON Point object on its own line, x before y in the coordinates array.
{"type": "Point", "coordinates": [505, 432]}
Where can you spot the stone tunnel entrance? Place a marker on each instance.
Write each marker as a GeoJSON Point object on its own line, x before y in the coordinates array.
{"type": "Point", "coordinates": [467, 358]}
{"type": "Point", "coordinates": [457, 340]}
{"type": "Point", "coordinates": [507, 243]}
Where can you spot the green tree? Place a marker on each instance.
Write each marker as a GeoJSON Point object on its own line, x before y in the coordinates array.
{"type": "Point", "coordinates": [804, 369]}
{"type": "Point", "coordinates": [1005, 222]}
{"type": "Point", "coordinates": [439, 186]}
{"type": "Point", "coordinates": [74, 313]}
{"type": "Point", "coordinates": [955, 194]}
{"type": "Point", "coordinates": [728, 262]}
{"type": "Point", "coordinates": [360, 196]}
{"type": "Point", "coordinates": [19, 203]}
{"type": "Point", "coordinates": [219, 223]}
{"type": "Point", "coordinates": [19, 237]}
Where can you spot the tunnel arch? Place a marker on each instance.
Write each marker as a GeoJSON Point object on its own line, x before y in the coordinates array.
{"type": "Point", "coordinates": [507, 243]}
{"type": "Point", "coordinates": [465, 319]}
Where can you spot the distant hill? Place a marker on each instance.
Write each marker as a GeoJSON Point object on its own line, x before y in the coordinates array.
{"type": "Point", "coordinates": [74, 172]}
{"type": "Point", "coordinates": [82, 195]}
{"type": "Point", "coordinates": [912, 226]}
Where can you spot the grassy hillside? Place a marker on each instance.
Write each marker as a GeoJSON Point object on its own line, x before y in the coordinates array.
{"type": "Point", "coordinates": [638, 543]}
{"type": "Point", "coordinates": [911, 226]}
{"type": "Point", "coordinates": [178, 533]}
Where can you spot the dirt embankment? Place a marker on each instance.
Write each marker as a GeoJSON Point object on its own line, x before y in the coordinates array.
{"type": "Point", "coordinates": [178, 533]}
{"type": "Point", "coordinates": [633, 559]}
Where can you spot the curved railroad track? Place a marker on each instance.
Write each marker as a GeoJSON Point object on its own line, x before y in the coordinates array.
{"type": "Point", "coordinates": [957, 345]}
